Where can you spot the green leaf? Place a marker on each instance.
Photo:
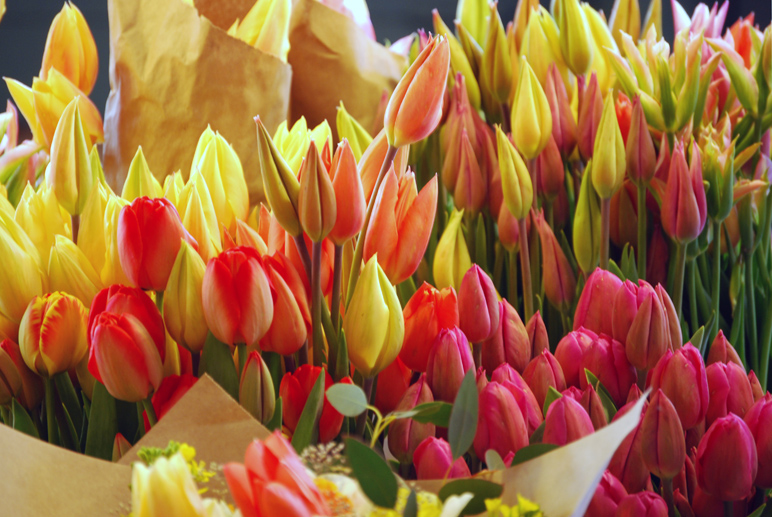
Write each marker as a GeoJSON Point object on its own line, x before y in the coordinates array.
{"type": "Point", "coordinates": [69, 398]}
{"type": "Point", "coordinates": [629, 268]}
{"type": "Point", "coordinates": [605, 397]}
{"type": "Point", "coordinates": [612, 266]}
{"type": "Point", "coordinates": [373, 474]}
{"type": "Point", "coordinates": [275, 422]}
{"type": "Point", "coordinates": [479, 488]}
{"type": "Point", "coordinates": [437, 413]}
{"type": "Point", "coordinates": [102, 424]}
{"type": "Point", "coordinates": [217, 361]}
{"type": "Point", "coordinates": [67, 430]}
{"type": "Point", "coordinates": [552, 396]}
{"type": "Point", "coordinates": [697, 337]}
{"type": "Point", "coordinates": [348, 399]}
{"type": "Point", "coordinates": [411, 505]}
{"type": "Point", "coordinates": [307, 430]}
{"type": "Point", "coordinates": [532, 451]}
{"type": "Point", "coordinates": [493, 460]}
{"type": "Point", "coordinates": [463, 417]}
{"type": "Point", "coordinates": [22, 421]}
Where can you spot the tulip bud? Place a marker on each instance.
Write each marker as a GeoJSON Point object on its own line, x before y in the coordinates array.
{"type": "Point", "coordinates": [607, 360]}
{"type": "Point", "coordinates": [549, 174]}
{"type": "Point", "coordinates": [541, 44]}
{"type": "Point", "coordinates": [639, 321]}
{"type": "Point", "coordinates": [590, 401]}
{"type": "Point", "coordinates": [451, 257]}
{"type": "Point", "coordinates": [496, 71]}
{"type": "Point", "coordinates": [294, 390]}
{"type": "Point", "coordinates": [642, 504]}
{"type": "Point", "coordinates": [758, 421]}
{"type": "Point", "coordinates": [470, 186]}
{"type": "Point", "coordinates": [478, 305]}
{"type": "Point", "coordinates": [166, 486]}
{"type": "Point", "coordinates": [756, 389]}
{"type": "Point", "coordinates": [516, 183]}
{"type": "Point", "coordinates": [256, 393]}
{"type": "Point", "coordinates": [426, 313]}
{"type": "Point", "coordinates": [415, 107]}
{"type": "Point", "coordinates": [42, 218]}
{"type": "Point", "coordinates": [569, 353]}
{"type": "Point", "coordinates": [684, 209]}
{"type": "Point", "coordinates": [730, 391]}
{"type": "Point", "coordinates": [608, 167]}
{"type": "Point", "coordinates": [627, 463]}
{"type": "Point", "coordinates": [641, 158]}
{"type": "Point", "coordinates": [625, 18]}
{"type": "Point", "coordinates": [559, 280]}
{"type": "Point", "coordinates": [537, 334]}
{"type": "Point", "coordinates": [722, 351]}
{"type": "Point", "coordinates": [405, 434]}
{"type": "Point", "coordinates": [449, 360]}
{"type": "Point", "coordinates": [674, 324]}
{"type": "Point", "coordinates": [543, 372]}
{"type": "Point", "coordinates": [70, 49]}
{"type": "Point", "coordinates": [317, 207]}
{"type": "Point", "coordinates": [121, 447]}
{"type": "Point", "coordinates": [623, 215]}
{"type": "Point", "coordinates": [394, 381]}
{"type": "Point", "coordinates": [608, 494]}
{"type": "Point", "coordinates": [509, 230]}
{"type": "Point", "coordinates": [69, 175]}
{"type": "Point", "coordinates": [563, 121]}
{"type": "Point", "coordinates": [198, 216]}
{"type": "Point", "coordinates": [500, 422]}
{"type": "Point", "coordinates": [727, 460]}
{"type": "Point", "coordinates": [373, 323]}
{"type": "Point", "coordinates": [372, 160]}
{"type": "Point", "coordinates": [459, 63]}
{"type": "Point", "coordinates": [433, 460]}
{"type": "Point", "coordinates": [589, 117]}
{"type": "Point", "coordinates": [682, 378]}
{"type": "Point", "coordinates": [575, 36]}
{"type": "Point", "coordinates": [566, 422]}
{"type": "Point", "coordinates": [662, 438]}
{"type": "Point", "coordinates": [587, 222]}
{"type": "Point", "coordinates": [70, 271]}
{"type": "Point", "coordinates": [510, 344]}
{"type": "Point", "coordinates": [291, 313]}
{"type": "Point", "coordinates": [350, 130]}
{"type": "Point", "coordinates": [140, 182]}
{"type": "Point", "coordinates": [183, 306]}
{"type": "Point", "coordinates": [531, 117]}
{"type": "Point", "coordinates": [17, 381]}
{"type": "Point", "coordinates": [592, 308]}
{"type": "Point", "coordinates": [349, 196]}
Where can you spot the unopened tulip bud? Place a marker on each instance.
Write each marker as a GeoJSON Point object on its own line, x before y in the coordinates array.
{"type": "Point", "coordinates": [351, 130]}
{"type": "Point", "coordinates": [510, 344]}
{"type": "Point", "coordinates": [563, 120]}
{"type": "Point", "coordinates": [459, 63]}
{"type": "Point", "coordinates": [516, 182]}
{"type": "Point", "coordinates": [625, 18]}
{"type": "Point", "coordinates": [587, 222]}
{"type": "Point", "coordinates": [509, 230]}
{"type": "Point", "coordinates": [566, 422]}
{"type": "Point", "coordinates": [470, 186]}
{"type": "Point", "coordinates": [543, 372]}
{"type": "Point", "coordinates": [415, 107]}
{"type": "Point", "coordinates": [569, 353]}
{"type": "Point", "coordinates": [372, 160]}
{"type": "Point", "coordinates": [588, 119]}
{"type": "Point", "coordinates": [500, 423]}
{"type": "Point", "coordinates": [627, 463]}
{"type": "Point", "coordinates": [727, 460]}
{"type": "Point", "coordinates": [426, 313]}
{"type": "Point", "coordinates": [592, 310]}
{"type": "Point", "coordinates": [684, 207]}
{"type": "Point", "coordinates": [349, 196]}
{"type": "Point", "coordinates": [449, 360]}
{"type": "Point", "coordinates": [531, 117]}
{"type": "Point", "coordinates": [607, 360]}
{"type": "Point", "coordinates": [642, 504]}
{"type": "Point", "coordinates": [575, 37]}
{"type": "Point", "coordinates": [70, 271]}
{"type": "Point", "coordinates": [291, 314]}
{"type": "Point", "coordinates": [730, 391]}
{"type": "Point", "coordinates": [433, 460]}
{"type": "Point", "coordinates": [681, 376]}
{"type": "Point", "coordinates": [549, 174]}
{"type": "Point", "coordinates": [256, 393]}
{"type": "Point", "coordinates": [662, 438]}
{"type": "Point", "coordinates": [317, 207]}
{"type": "Point", "coordinates": [395, 380]}
{"type": "Point", "coordinates": [591, 403]}
{"type": "Point", "coordinates": [451, 257]}
{"type": "Point", "coordinates": [70, 49]}
{"type": "Point", "coordinates": [183, 305]}
{"type": "Point", "coordinates": [722, 351]}
{"type": "Point", "coordinates": [608, 164]}
{"type": "Point", "coordinates": [608, 494]}
{"type": "Point", "coordinates": [674, 325]}
{"type": "Point", "coordinates": [477, 305]}
{"type": "Point", "coordinates": [558, 277]}
{"type": "Point", "coordinates": [139, 180]}
{"type": "Point", "coordinates": [405, 434]}
{"type": "Point", "coordinates": [640, 323]}
{"type": "Point", "coordinates": [294, 390]}
{"type": "Point", "coordinates": [42, 218]}
{"type": "Point", "coordinates": [756, 389]}
{"type": "Point", "coordinates": [496, 68]}
{"type": "Point", "coordinates": [641, 157]}
{"type": "Point", "coordinates": [541, 44]}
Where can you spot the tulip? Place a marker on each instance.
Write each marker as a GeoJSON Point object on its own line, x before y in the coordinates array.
{"type": "Point", "coordinates": [591, 403]}
{"type": "Point", "coordinates": [70, 175]}
{"type": "Point", "coordinates": [291, 314]}
{"type": "Point", "coordinates": [566, 422]}
{"type": "Point", "coordinates": [294, 390]}
{"type": "Point", "coordinates": [426, 313]}
{"type": "Point", "coordinates": [549, 173]}
{"type": "Point", "coordinates": [684, 209]}
{"type": "Point", "coordinates": [449, 360]}
{"type": "Point", "coordinates": [461, 118]}
{"type": "Point", "coordinates": [112, 271]}
{"type": "Point", "coordinates": [657, 257]}
{"type": "Point", "coordinates": [415, 107]}
{"type": "Point", "coordinates": [542, 373]}
{"type": "Point", "coordinates": [459, 62]}
{"type": "Point", "coordinates": [70, 49]}
{"type": "Point", "coordinates": [608, 167]}
{"type": "Point", "coordinates": [183, 305]}
{"type": "Point", "coordinates": [139, 180]}
{"type": "Point", "coordinates": [606, 359]}
{"type": "Point", "coordinates": [529, 407]}
{"type": "Point", "coordinates": [722, 351]}
{"type": "Point", "coordinates": [674, 324]}
{"type": "Point", "coordinates": [150, 234]}
{"type": "Point", "coordinates": [395, 380]}
{"type": "Point", "coordinates": [42, 218]}
{"type": "Point", "coordinates": [641, 157]}
{"type": "Point", "coordinates": [198, 217]}
{"type": "Point", "coordinates": [172, 187]}
{"type": "Point", "coordinates": [237, 297]}
{"type": "Point", "coordinates": [221, 168]}
{"type": "Point", "coordinates": [682, 378]}
{"type": "Point", "coordinates": [575, 36]}
{"type": "Point", "coordinates": [569, 353]}
{"type": "Point", "coordinates": [531, 117]}
{"type": "Point", "coordinates": [540, 44]}
{"type": "Point", "coordinates": [639, 321]}
{"type": "Point", "coordinates": [351, 131]}
{"type": "Point", "coordinates": [70, 271]}
{"type": "Point", "coordinates": [496, 69]}
{"type": "Point", "coordinates": [273, 481]}
{"type": "Point", "coordinates": [662, 438]}
{"type": "Point", "coordinates": [256, 392]}
{"type": "Point", "coordinates": [587, 222]}
{"type": "Point", "coordinates": [500, 423]}
{"type": "Point", "coordinates": [266, 27]}
{"type": "Point", "coordinates": [165, 488]}
{"type": "Point", "coordinates": [608, 494]}
{"type": "Point", "coordinates": [91, 235]}
{"type": "Point", "coordinates": [451, 257]}
{"type": "Point", "coordinates": [758, 421]}
{"type": "Point", "coordinates": [433, 460]}
{"type": "Point", "coordinates": [756, 389]}
{"type": "Point", "coordinates": [405, 434]}
{"type": "Point", "coordinates": [171, 390]}
{"type": "Point", "coordinates": [515, 181]}
{"type": "Point", "coordinates": [730, 391]}
{"type": "Point", "coordinates": [470, 186]}
{"type": "Point", "coordinates": [401, 225]}
{"type": "Point", "coordinates": [317, 207]}
{"type": "Point", "coordinates": [120, 299]}
{"type": "Point", "coordinates": [726, 459]}
{"type": "Point", "coordinates": [589, 117]}
{"type": "Point", "coordinates": [623, 215]}
{"type": "Point", "coordinates": [292, 144]}
{"type": "Point", "coordinates": [16, 379]}
{"type": "Point", "coordinates": [372, 160]}
{"type": "Point", "coordinates": [121, 447]}
{"type": "Point", "coordinates": [642, 504]}
{"type": "Point", "coordinates": [477, 305]}
{"type": "Point", "coordinates": [559, 280]}
{"type": "Point", "coordinates": [537, 335]}
{"type": "Point", "coordinates": [592, 308]}
{"type": "Point", "coordinates": [509, 230]}
{"type": "Point", "coordinates": [280, 184]}
{"type": "Point", "coordinates": [563, 122]}
{"type": "Point", "coordinates": [349, 196]}
{"type": "Point", "coordinates": [627, 463]}
{"type": "Point", "coordinates": [509, 344]}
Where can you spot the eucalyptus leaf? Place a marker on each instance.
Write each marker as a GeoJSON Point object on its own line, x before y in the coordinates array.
{"type": "Point", "coordinates": [349, 399]}
{"type": "Point", "coordinates": [373, 474]}
{"type": "Point", "coordinates": [479, 488]}
{"type": "Point", "coordinates": [437, 413]}
{"type": "Point", "coordinates": [307, 430]}
{"type": "Point", "coordinates": [411, 505]}
{"type": "Point", "coordinates": [493, 460]}
{"type": "Point", "coordinates": [552, 396]}
{"type": "Point", "coordinates": [463, 417]}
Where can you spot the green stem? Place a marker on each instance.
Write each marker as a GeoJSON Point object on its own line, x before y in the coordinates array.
{"type": "Point", "coordinates": [316, 303]}
{"type": "Point", "coordinates": [642, 216]}
{"type": "Point", "coordinates": [678, 282]}
{"type": "Point", "coordinates": [305, 258]}
{"type": "Point", "coordinates": [241, 348]}
{"type": "Point", "coordinates": [336, 280]}
{"type": "Point", "coordinates": [150, 411]}
{"type": "Point", "coordinates": [766, 343]}
{"type": "Point", "coordinates": [51, 411]}
{"type": "Point", "coordinates": [549, 214]}
{"type": "Point", "coordinates": [716, 287]}
{"type": "Point", "coordinates": [750, 318]}
{"type": "Point", "coordinates": [525, 264]}
{"type": "Point", "coordinates": [667, 495]}
{"type": "Point", "coordinates": [605, 220]}
{"type": "Point", "coordinates": [693, 311]}
{"type": "Point", "coordinates": [512, 279]}
{"type": "Point", "coordinates": [159, 301]}
{"type": "Point", "coordinates": [391, 153]}
{"type": "Point", "coordinates": [471, 236]}
{"type": "Point", "coordinates": [367, 387]}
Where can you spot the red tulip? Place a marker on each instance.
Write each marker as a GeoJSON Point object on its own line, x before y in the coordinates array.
{"type": "Point", "coordinates": [726, 459]}
{"type": "Point", "coordinates": [730, 391]}
{"type": "Point", "coordinates": [433, 460]}
{"type": "Point", "coordinates": [449, 360]}
{"type": "Point", "coordinates": [569, 353]}
{"type": "Point", "coordinates": [681, 376]}
{"type": "Point", "coordinates": [592, 310]}
{"type": "Point", "coordinates": [607, 497]}
{"type": "Point", "coordinates": [563, 123]}
{"type": "Point", "coordinates": [170, 391]}
{"type": "Point", "coordinates": [662, 438]}
{"type": "Point", "coordinates": [657, 257]}
{"type": "Point", "coordinates": [426, 313]}
{"type": "Point", "coordinates": [406, 434]}
{"type": "Point", "coordinates": [627, 463]}
{"type": "Point", "coordinates": [542, 373]}
{"type": "Point", "coordinates": [500, 423]}
{"type": "Point", "coordinates": [722, 351]}
{"type": "Point", "coordinates": [394, 381]}
{"type": "Point", "coordinates": [756, 389]}
{"type": "Point", "coordinates": [238, 305]}
{"type": "Point", "coordinates": [639, 146]}
{"type": "Point", "coordinates": [537, 334]}
{"type": "Point", "coordinates": [149, 236]}
{"type": "Point", "coordinates": [684, 207]}
{"type": "Point", "coordinates": [642, 504]}
{"type": "Point", "coordinates": [549, 174]}
{"type": "Point", "coordinates": [510, 343]}
{"type": "Point", "coordinates": [478, 308]}
{"type": "Point", "coordinates": [566, 422]}
{"type": "Point", "coordinates": [590, 111]}
{"type": "Point", "coordinates": [607, 360]}
{"type": "Point", "coordinates": [294, 390]}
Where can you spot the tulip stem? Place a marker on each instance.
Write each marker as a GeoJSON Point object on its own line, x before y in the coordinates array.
{"type": "Point", "coordinates": [150, 411]}
{"type": "Point", "coordinates": [512, 278]}
{"type": "Point", "coordinates": [336, 280]}
{"type": "Point", "coordinates": [642, 216]}
{"type": "Point", "coordinates": [728, 509]}
{"type": "Point", "coordinates": [305, 258]}
{"type": "Point", "coordinates": [51, 411]}
{"type": "Point", "coordinates": [316, 303]}
{"type": "Point", "coordinates": [716, 287]}
{"type": "Point", "coordinates": [525, 264]}
{"type": "Point", "coordinates": [693, 313]}
{"type": "Point", "coordinates": [356, 263]}
{"type": "Point", "coordinates": [605, 221]}
{"type": "Point", "coordinates": [241, 349]}
{"type": "Point", "coordinates": [303, 353]}
{"type": "Point", "coordinates": [678, 281]}
{"type": "Point", "coordinates": [159, 301]}
{"type": "Point", "coordinates": [367, 387]}
{"type": "Point", "coordinates": [667, 495]}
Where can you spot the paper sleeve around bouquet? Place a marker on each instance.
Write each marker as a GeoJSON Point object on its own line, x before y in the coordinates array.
{"type": "Point", "coordinates": [173, 72]}
{"type": "Point", "coordinates": [334, 60]}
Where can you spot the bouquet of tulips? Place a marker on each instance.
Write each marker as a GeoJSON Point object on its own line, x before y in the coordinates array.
{"type": "Point", "coordinates": [499, 274]}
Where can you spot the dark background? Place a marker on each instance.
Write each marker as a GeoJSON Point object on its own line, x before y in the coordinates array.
{"type": "Point", "coordinates": [25, 25]}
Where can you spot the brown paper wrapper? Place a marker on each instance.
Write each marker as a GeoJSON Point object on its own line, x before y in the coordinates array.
{"type": "Point", "coordinates": [333, 60]}
{"type": "Point", "coordinates": [172, 72]}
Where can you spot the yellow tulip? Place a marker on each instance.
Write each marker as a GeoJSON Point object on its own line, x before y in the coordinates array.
{"type": "Point", "coordinates": [245, 235]}
{"type": "Point", "coordinates": [608, 167]}
{"type": "Point", "coordinates": [531, 116]}
{"type": "Point", "coordinates": [5, 205]}
{"type": "Point", "coordinates": [320, 135]}
{"type": "Point", "coordinates": [96, 168]}
{"type": "Point", "coordinates": [112, 271]}
{"type": "Point", "coordinates": [140, 181]}
{"type": "Point", "coordinates": [198, 217]}
{"type": "Point", "coordinates": [292, 143]}
{"type": "Point", "coordinates": [69, 173]}
{"type": "Point", "coordinates": [451, 258]}
{"type": "Point", "coordinates": [172, 187]}
{"type": "Point", "coordinates": [601, 38]}
{"type": "Point", "coordinates": [348, 128]}
{"type": "Point", "coordinates": [266, 27]}
{"type": "Point", "coordinates": [280, 182]}
{"type": "Point", "coordinates": [587, 223]}
{"type": "Point", "coordinates": [165, 488]}
{"type": "Point", "coordinates": [459, 63]}
{"type": "Point", "coordinates": [91, 235]}
{"type": "Point", "coordinates": [473, 15]}
{"type": "Point", "coordinates": [373, 322]}
{"type": "Point", "coordinates": [541, 45]}
{"type": "Point", "coordinates": [516, 182]}
{"type": "Point", "coordinates": [496, 64]}
{"type": "Point", "coordinates": [625, 17]}
{"type": "Point", "coordinates": [70, 271]}
{"type": "Point", "coordinates": [70, 49]}
{"type": "Point", "coordinates": [522, 18]}
{"type": "Point", "coordinates": [21, 276]}
{"type": "Point", "coordinates": [41, 216]}
{"type": "Point", "coordinates": [653, 18]}
{"type": "Point", "coordinates": [575, 36]}
{"type": "Point", "coordinates": [183, 308]}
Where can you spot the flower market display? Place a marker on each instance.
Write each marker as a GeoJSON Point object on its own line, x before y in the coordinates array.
{"type": "Point", "coordinates": [529, 275]}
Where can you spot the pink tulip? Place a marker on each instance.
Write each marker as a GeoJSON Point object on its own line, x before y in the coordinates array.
{"type": "Point", "coordinates": [642, 504]}
{"type": "Point", "coordinates": [569, 353]}
{"type": "Point", "coordinates": [681, 376]}
{"type": "Point", "coordinates": [510, 343]}
{"type": "Point", "coordinates": [727, 461]}
{"type": "Point", "coordinates": [500, 423]}
{"type": "Point", "coordinates": [608, 495]}
{"type": "Point", "coordinates": [662, 438]}
{"type": "Point", "coordinates": [730, 391]}
{"type": "Point", "coordinates": [537, 334]}
{"type": "Point", "coordinates": [433, 460]}
{"type": "Point", "coordinates": [566, 422]}
{"type": "Point", "coordinates": [449, 360]}
{"type": "Point", "coordinates": [640, 323]}
{"type": "Point", "coordinates": [542, 373]}
{"type": "Point", "coordinates": [684, 207]}
{"type": "Point", "coordinates": [478, 309]}
{"type": "Point", "coordinates": [406, 434]}
{"type": "Point", "coordinates": [593, 308]}
{"type": "Point", "coordinates": [607, 360]}
{"type": "Point", "coordinates": [722, 351]}
{"type": "Point", "coordinates": [627, 463]}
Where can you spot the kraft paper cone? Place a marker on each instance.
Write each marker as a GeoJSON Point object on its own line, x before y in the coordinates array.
{"type": "Point", "coordinates": [42, 479]}
{"type": "Point", "coordinates": [333, 60]}
{"type": "Point", "coordinates": [172, 72]}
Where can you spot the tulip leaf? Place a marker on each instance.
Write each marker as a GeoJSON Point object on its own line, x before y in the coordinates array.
{"type": "Point", "coordinates": [532, 451]}
{"type": "Point", "coordinates": [411, 505]}
{"type": "Point", "coordinates": [697, 338]}
{"type": "Point", "coordinates": [373, 473]}
{"type": "Point", "coordinates": [614, 268]}
{"type": "Point", "coordinates": [437, 413]}
{"type": "Point", "coordinates": [102, 424]}
{"type": "Point", "coordinates": [348, 399]}
{"type": "Point", "coordinates": [537, 435]}
{"type": "Point", "coordinates": [69, 398]}
{"type": "Point", "coordinates": [307, 430]}
{"type": "Point", "coordinates": [463, 418]}
{"type": "Point", "coordinates": [22, 421]}
{"type": "Point", "coordinates": [217, 361]}
{"type": "Point", "coordinates": [605, 397]}
{"type": "Point", "coordinates": [552, 396]}
{"type": "Point", "coordinates": [762, 511]}
{"type": "Point", "coordinates": [275, 422]}
{"type": "Point", "coordinates": [493, 460]}
{"type": "Point", "coordinates": [629, 268]}
{"type": "Point", "coordinates": [479, 488]}
{"type": "Point", "coordinates": [67, 430]}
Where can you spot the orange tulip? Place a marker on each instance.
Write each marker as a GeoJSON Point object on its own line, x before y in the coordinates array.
{"type": "Point", "coordinates": [349, 196]}
{"type": "Point", "coordinates": [317, 208]}
{"type": "Point", "coordinates": [70, 48]}
{"type": "Point", "coordinates": [426, 313]}
{"type": "Point", "coordinates": [289, 327]}
{"type": "Point", "coordinates": [401, 225]}
{"type": "Point", "coordinates": [372, 160]}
